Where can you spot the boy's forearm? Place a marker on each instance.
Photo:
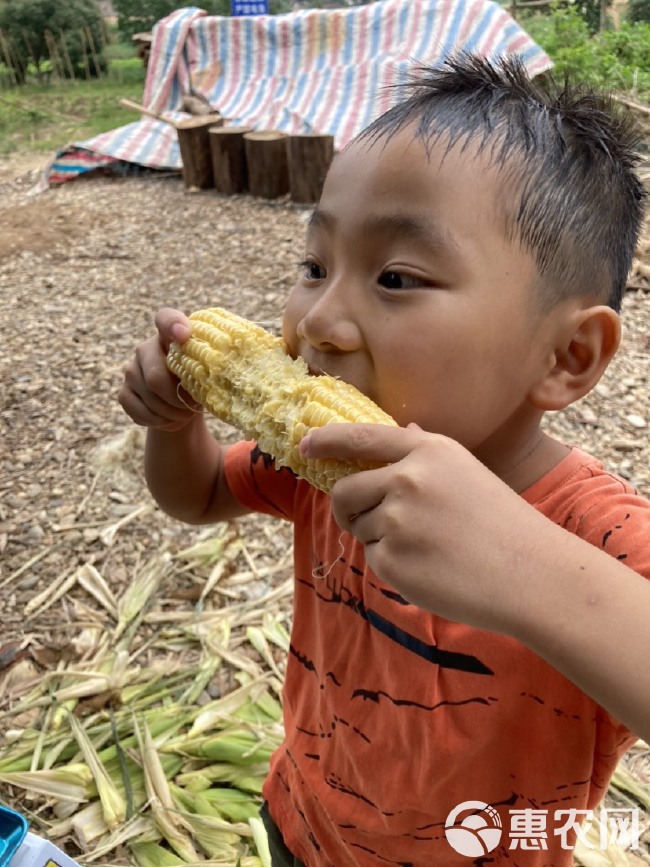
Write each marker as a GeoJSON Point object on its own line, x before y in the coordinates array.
{"type": "Point", "coordinates": [587, 615]}
{"type": "Point", "coordinates": [184, 472]}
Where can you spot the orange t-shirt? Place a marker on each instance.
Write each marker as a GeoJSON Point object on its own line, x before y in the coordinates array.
{"type": "Point", "coordinates": [395, 716]}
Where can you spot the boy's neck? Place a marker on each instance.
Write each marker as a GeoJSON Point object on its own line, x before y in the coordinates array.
{"type": "Point", "coordinates": [526, 461]}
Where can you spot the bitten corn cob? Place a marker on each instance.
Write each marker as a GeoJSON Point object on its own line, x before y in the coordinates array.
{"type": "Point", "coordinates": [243, 375]}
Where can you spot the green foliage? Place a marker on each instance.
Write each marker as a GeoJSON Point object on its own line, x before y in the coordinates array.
{"type": "Point", "coordinates": [588, 10]}
{"type": "Point", "coordinates": [66, 38]}
{"type": "Point", "coordinates": [61, 111]}
{"type": "Point", "coordinates": [639, 11]}
{"type": "Point", "coordinates": [615, 60]}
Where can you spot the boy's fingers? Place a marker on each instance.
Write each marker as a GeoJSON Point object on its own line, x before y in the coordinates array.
{"type": "Point", "coordinates": [371, 442]}
{"type": "Point", "coordinates": [173, 326]}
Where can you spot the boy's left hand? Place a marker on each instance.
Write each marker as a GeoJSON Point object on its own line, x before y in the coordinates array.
{"type": "Point", "coordinates": [437, 525]}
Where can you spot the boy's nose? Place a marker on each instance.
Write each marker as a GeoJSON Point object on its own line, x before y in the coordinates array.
{"type": "Point", "coordinates": [330, 324]}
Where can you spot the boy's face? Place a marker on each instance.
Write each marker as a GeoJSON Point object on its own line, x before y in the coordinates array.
{"type": "Point", "coordinates": [411, 292]}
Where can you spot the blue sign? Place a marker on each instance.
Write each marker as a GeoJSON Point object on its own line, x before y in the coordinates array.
{"type": "Point", "coordinates": [249, 7]}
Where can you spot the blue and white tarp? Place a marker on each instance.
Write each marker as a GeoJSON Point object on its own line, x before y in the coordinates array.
{"type": "Point", "coordinates": [313, 71]}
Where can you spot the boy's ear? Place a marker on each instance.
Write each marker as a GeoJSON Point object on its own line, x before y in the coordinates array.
{"type": "Point", "coordinates": [584, 347]}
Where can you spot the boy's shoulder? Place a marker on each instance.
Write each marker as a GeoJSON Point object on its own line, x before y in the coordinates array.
{"type": "Point", "coordinates": [583, 496]}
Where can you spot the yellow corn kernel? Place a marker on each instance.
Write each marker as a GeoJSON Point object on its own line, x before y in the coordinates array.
{"type": "Point", "coordinates": [243, 375]}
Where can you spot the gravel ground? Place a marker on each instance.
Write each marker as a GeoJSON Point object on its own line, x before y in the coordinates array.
{"type": "Point", "coordinates": [83, 267]}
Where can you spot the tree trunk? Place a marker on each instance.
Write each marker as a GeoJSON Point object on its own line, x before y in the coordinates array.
{"type": "Point", "coordinates": [229, 159]}
{"type": "Point", "coordinates": [194, 143]}
{"type": "Point", "coordinates": [266, 158]}
{"type": "Point", "coordinates": [309, 159]}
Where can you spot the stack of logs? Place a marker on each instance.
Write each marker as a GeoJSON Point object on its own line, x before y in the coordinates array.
{"type": "Point", "coordinates": [236, 159]}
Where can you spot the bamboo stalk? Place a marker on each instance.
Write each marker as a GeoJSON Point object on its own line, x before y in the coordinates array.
{"type": "Point", "coordinates": [66, 54]}
{"type": "Point", "coordinates": [55, 57]}
{"type": "Point", "coordinates": [91, 43]}
{"type": "Point", "coordinates": [7, 58]}
{"type": "Point", "coordinates": [31, 54]}
{"type": "Point", "coordinates": [82, 34]}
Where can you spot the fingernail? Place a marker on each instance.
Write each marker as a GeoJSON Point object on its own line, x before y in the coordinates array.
{"type": "Point", "coordinates": [178, 332]}
{"type": "Point", "coordinates": [304, 446]}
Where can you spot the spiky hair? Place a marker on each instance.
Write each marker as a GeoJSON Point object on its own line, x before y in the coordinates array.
{"type": "Point", "coordinates": [565, 155]}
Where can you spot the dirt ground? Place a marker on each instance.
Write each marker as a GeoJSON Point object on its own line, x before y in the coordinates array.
{"type": "Point", "coordinates": [83, 267]}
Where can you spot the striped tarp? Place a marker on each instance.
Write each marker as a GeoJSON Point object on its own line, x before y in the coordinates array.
{"type": "Point", "coordinates": [323, 71]}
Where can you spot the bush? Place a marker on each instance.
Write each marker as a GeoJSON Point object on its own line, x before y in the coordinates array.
{"type": "Point", "coordinates": [611, 60]}
{"type": "Point", "coordinates": [51, 35]}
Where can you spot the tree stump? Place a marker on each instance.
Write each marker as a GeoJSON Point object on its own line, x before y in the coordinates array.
{"type": "Point", "coordinates": [194, 144]}
{"type": "Point", "coordinates": [309, 159]}
{"type": "Point", "coordinates": [229, 159]}
{"type": "Point", "coordinates": [268, 164]}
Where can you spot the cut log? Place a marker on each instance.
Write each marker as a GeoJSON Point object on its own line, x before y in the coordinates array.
{"type": "Point", "coordinates": [229, 159]}
{"type": "Point", "coordinates": [267, 162]}
{"type": "Point", "coordinates": [309, 159]}
{"type": "Point", "coordinates": [194, 142]}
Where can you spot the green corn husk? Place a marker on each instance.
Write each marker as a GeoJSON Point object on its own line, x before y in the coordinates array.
{"type": "Point", "coordinates": [249, 778]}
{"type": "Point", "coordinates": [261, 841]}
{"type": "Point", "coordinates": [138, 828]}
{"type": "Point", "coordinates": [214, 713]}
{"type": "Point", "coordinates": [209, 803]}
{"type": "Point", "coordinates": [88, 825]}
{"type": "Point", "coordinates": [138, 594]}
{"type": "Point", "coordinates": [113, 804]}
{"type": "Point", "coordinates": [236, 745]}
{"type": "Point", "coordinates": [218, 844]}
{"type": "Point", "coordinates": [73, 783]}
{"type": "Point", "coordinates": [170, 824]}
{"type": "Point", "coordinates": [153, 855]}
{"type": "Point", "coordinates": [234, 804]}
{"type": "Point", "coordinates": [624, 781]}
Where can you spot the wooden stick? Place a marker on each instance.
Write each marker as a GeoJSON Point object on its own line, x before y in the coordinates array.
{"type": "Point", "coordinates": [644, 109]}
{"type": "Point", "coordinates": [128, 103]}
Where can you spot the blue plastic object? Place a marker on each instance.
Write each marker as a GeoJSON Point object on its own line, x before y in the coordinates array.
{"type": "Point", "coordinates": [13, 828]}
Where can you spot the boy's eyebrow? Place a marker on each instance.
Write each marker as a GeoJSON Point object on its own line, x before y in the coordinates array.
{"type": "Point", "coordinates": [421, 229]}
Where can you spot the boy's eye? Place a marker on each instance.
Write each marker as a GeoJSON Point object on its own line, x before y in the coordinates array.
{"type": "Point", "coordinates": [395, 280]}
{"type": "Point", "coordinates": [311, 270]}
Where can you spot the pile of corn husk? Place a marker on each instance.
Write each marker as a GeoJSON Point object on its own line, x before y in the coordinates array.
{"type": "Point", "coordinates": [151, 745]}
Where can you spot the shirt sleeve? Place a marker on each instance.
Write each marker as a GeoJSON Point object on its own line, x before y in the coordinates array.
{"type": "Point", "coordinates": [616, 519]}
{"type": "Point", "coordinates": [257, 484]}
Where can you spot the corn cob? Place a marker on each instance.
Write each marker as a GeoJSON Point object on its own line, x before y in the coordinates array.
{"type": "Point", "coordinates": [243, 375]}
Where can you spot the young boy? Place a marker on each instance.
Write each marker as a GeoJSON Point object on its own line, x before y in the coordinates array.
{"type": "Point", "coordinates": [463, 268]}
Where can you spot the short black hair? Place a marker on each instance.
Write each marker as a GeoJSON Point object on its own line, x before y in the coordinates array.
{"type": "Point", "coordinates": [566, 155]}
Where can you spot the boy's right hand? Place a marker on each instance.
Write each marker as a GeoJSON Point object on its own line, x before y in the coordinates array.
{"type": "Point", "coordinates": [150, 394]}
